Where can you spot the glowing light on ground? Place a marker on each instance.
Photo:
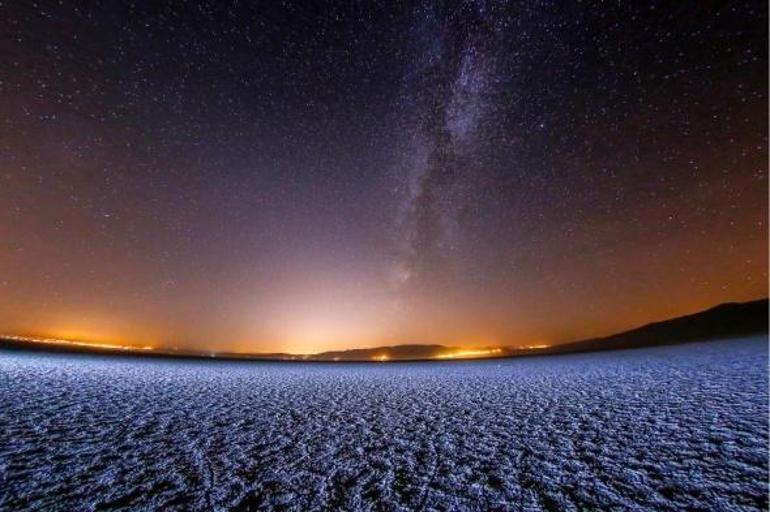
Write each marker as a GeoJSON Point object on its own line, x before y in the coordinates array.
{"type": "Point", "coordinates": [470, 353]}
{"type": "Point", "coordinates": [89, 344]}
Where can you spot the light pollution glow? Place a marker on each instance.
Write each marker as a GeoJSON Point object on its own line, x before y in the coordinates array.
{"type": "Point", "coordinates": [76, 343]}
{"type": "Point", "coordinates": [470, 353]}
{"type": "Point", "coordinates": [454, 353]}
{"type": "Point", "coordinates": [426, 175]}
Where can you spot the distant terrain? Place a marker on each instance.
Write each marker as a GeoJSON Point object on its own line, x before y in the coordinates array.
{"type": "Point", "coordinates": [730, 320]}
{"type": "Point", "coordinates": [722, 321]}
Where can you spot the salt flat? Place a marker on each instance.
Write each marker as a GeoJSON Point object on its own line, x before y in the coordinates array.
{"type": "Point", "coordinates": [651, 429]}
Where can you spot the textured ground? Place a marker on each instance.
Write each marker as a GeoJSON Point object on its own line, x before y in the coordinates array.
{"type": "Point", "coordinates": [670, 428]}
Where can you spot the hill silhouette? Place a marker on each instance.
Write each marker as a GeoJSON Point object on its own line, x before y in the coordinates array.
{"type": "Point", "coordinates": [723, 321]}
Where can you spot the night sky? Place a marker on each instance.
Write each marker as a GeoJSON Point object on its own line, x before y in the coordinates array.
{"type": "Point", "coordinates": [308, 176]}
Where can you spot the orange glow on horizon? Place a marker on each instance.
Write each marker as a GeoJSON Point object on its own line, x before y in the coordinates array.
{"type": "Point", "coordinates": [90, 344]}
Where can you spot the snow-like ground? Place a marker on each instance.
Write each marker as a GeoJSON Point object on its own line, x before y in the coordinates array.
{"type": "Point", "coordinates": [682, 427]}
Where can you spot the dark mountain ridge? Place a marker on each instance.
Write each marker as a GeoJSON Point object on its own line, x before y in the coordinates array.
{"type": "Point", "coordinates": [732, 319]}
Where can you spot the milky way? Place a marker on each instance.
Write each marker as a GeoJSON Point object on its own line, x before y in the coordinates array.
{"type": "Point", "coordinates": [450, 85]}
{"type": "Point", "coordinates": [307, 177]}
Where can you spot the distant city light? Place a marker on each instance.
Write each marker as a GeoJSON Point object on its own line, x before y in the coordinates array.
{"type": "Point", "coordinates": [469, 353]}
{"type": "Point", "coordinates": [89, 344]}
